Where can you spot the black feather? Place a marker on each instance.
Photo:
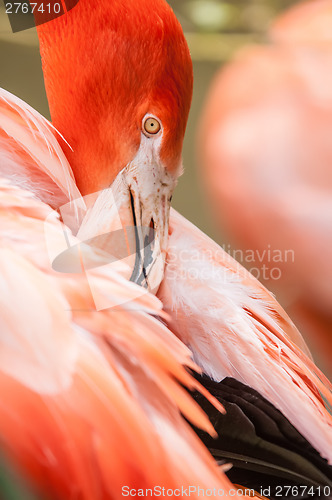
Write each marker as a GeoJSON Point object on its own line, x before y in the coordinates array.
{"type": "Point", "coordinates": [265, 449]}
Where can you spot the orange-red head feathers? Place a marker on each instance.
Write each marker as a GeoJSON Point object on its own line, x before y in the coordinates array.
{"type": "Point", "coordinates": [106, 65]}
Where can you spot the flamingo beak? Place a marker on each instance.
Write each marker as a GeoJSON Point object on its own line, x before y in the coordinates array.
{"type": "Point", "coordinates": [150, 219]}
{"type": "Point", "coordinates": [127, 224]}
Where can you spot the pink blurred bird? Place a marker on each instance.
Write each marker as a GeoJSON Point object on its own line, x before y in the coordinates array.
{"type": "Point", "coordinates": [93, 400]}
{"type": "Point", "coordinates": [267, 153]}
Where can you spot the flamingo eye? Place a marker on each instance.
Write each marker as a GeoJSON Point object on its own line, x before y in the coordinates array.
{"type": "Point", "coordinates": [151, 126]}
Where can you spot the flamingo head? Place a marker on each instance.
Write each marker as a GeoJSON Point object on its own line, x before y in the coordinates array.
{"type": "Point", "coordinates": [119, 80]}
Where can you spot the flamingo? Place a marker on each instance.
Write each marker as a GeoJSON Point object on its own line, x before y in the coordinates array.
{"type": "Point", "coordinates": [99, 343]}
{"type": "Point", "coordinates": [266, 161]}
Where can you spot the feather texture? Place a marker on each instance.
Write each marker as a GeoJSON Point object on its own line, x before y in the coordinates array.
{"type": "Point", "coordinates": [235, 328]}
{"type": "Point", "coordinates": [266, 451]}
{"type": "Point", "coordinates": [91, 402]}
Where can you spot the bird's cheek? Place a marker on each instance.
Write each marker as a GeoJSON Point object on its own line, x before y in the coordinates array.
{"type": "Point", "coordinates": [171, 155]}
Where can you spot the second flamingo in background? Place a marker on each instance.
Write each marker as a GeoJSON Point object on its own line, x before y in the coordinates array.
{"type": "Point", "coordinates": [267, 156]}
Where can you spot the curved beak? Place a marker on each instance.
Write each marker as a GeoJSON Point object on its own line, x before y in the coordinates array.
{"type": "Point", "coordinates": [150, 221]}
{"type": "Point", "coordinates": [127, 224]}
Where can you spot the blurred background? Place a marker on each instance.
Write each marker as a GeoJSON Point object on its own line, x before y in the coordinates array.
{"type": "Point", "coordinates": [272, 191]}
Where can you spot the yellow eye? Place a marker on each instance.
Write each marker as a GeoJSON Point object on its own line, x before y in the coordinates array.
{"type": "Point", "coordinates": [152, 126]}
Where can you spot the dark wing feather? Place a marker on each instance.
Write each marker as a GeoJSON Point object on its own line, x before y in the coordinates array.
{"type": "Point", "coordinates": [264, 448]}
